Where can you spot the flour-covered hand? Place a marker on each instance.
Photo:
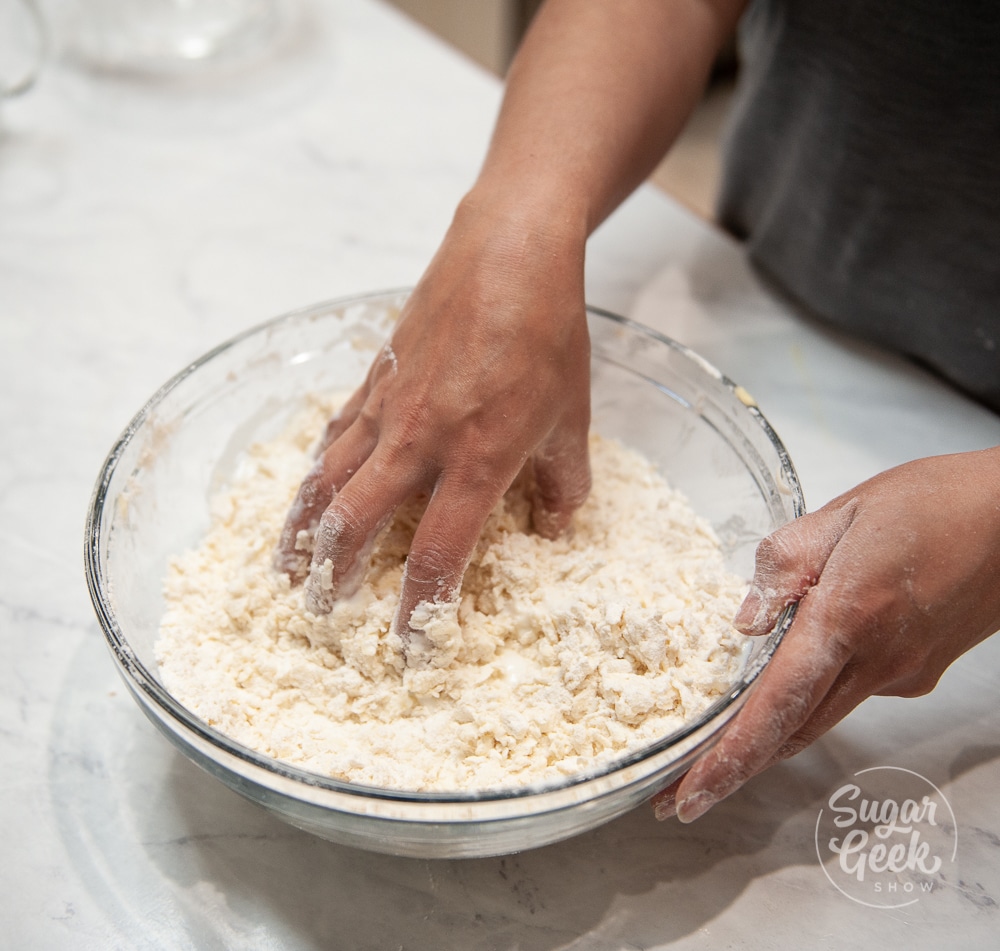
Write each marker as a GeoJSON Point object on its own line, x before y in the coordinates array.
{"type": "Point", "coordinates": [486, 371]}
{"type": "Point", "coordinates": [488, 368]}
{"type": "Point", "coordinates": [895, 580]}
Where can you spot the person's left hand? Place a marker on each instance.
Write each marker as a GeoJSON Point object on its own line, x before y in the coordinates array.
{"type": "Point", "coordinates": [895, 580]}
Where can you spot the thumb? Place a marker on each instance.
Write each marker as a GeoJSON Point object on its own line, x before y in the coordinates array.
{"type": "Point", "coordinates": [789, 562]}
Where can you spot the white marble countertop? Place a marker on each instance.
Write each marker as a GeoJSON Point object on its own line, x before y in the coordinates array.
{"type": "Point", "coordinates": [141, 224]}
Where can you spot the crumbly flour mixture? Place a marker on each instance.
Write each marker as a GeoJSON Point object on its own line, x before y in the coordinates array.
{"type": "Point", "coordinates": [558, 656]}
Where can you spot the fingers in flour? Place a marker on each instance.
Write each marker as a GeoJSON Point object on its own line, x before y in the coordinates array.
{"type": "Point", "coordinates": [349, 526]}
{"type": "Point", "coordinates": [439, 554]}
{"type": "Point", "coordinates": [561, 476]}
{"type": "Point", "coordinates": [800, 676]}
{"type": "Point", "coordinates": [327, 477]}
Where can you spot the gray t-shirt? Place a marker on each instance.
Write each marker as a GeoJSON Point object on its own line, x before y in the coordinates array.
{"type": "Point", "coordinates": [863, 171]}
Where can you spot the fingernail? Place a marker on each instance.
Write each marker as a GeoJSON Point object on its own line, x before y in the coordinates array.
{"type": "Point", "coordinates": [319, 592]}
{"type": "Point", "coordinates": [665, 807]}
{"type": "Point", "coordinates": [749, 612]}
{"type": "Point", "coordinates": [696, 805]}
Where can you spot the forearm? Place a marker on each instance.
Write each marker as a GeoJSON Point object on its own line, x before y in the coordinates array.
{"type": "Point", "coordinates": [594, 98]}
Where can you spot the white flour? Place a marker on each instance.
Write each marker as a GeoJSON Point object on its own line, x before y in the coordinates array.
{"type": "Point", "coordinates": [560, 654]}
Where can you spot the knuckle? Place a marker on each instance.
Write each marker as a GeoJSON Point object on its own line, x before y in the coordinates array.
{"type": "Point", "coordinates": [913, 689]}
{"type": "Point", "coordinates": [915, 679]}
{"type": "Point", "coordinates": [314, 487]}
{"type": "Point", "coordinates": [400, 451]}
{"type": "Point", "coordinates": [367, 421]}
{"type": "Point", "coordinates": [778, 551]}
{"type": "Point", "coordinates": [483, 478]}
{"type": "Point", "coordinates": [342, 521]}
{"type": "Point", "coordinates": [841, 624]}
{"type": "Point", "coordinates": [436, 566]}
{"type": "Point", "coordinates": [918, 687]}
{"type": "Point", "coordinates": [335, 428]}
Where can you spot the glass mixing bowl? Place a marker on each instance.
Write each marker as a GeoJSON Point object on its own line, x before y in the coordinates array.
{"type": "Point", "coordinates": [151, 501]}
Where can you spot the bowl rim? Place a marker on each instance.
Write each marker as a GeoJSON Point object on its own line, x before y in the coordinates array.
{"type": "Point", "coordinates": [139, 677]}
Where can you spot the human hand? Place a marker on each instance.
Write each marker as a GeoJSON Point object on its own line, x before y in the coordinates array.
{"type": "Point", "coordinates": [487, 370]}
{"type": "Point", "coordinates": [895, 580]}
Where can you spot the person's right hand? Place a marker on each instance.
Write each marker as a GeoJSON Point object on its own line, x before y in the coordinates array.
{"type": "Point", "coordinates": [487, 370]}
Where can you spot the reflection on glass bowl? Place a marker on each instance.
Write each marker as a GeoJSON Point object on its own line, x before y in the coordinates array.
{"type": "Point", "coordinates": [151, 501]}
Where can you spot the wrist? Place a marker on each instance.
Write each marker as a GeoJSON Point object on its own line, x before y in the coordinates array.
{"type": "Point", "coordinates": [533, 212]}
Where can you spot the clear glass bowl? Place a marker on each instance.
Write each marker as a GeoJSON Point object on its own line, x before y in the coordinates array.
{"type": "Point", "coordinates": [151, 501]}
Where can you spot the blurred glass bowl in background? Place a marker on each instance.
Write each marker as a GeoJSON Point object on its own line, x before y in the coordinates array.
{"type": "Point", "coordinates": [151, 502]}
{"type": "Point", "coordinates": [172, 38]}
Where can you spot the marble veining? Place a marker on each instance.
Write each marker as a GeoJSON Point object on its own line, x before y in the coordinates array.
{"type": "Point", "coordinates": [140, 225]}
